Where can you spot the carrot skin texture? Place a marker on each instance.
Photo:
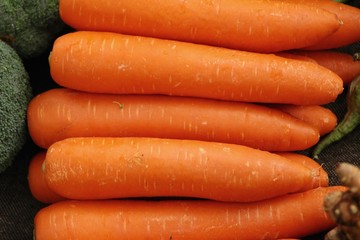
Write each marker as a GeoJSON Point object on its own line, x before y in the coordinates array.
{"type": "Point", "coordinates": [104, 62]}
{"type": "Point", "coordinates": [318, 116]}
{"type": "Point", "coordinates": [340, 63]}
{"type": "Point", "coordinates": [291, 55]}
{"type": "Point", "coordinates": [62, 113]}
{"type": "Point", "coordinates": [349, 31]}
{"type": "Point", "coordinates": [322, 177]}
{"type": "Point", "coordinates": [192, 219]}
{"type": "Point", "coordinates": [226, 23]}
{"type": "Point", "coordinates": [36, 180]}
{"type": "Point", "coordinates": [104, 168]}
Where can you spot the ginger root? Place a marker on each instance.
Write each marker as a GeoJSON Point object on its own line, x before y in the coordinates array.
{"type": "Point", "coordinates": [344, 207]}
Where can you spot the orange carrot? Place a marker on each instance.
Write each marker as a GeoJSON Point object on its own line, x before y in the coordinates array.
{"type": "Point", "coordinates": [291, 55]}
{"type": "Point", "coordinates": [115, 63]}
{"type": "Point", "coordinates": [36, 179]}
{"type": "Point", "coordinates": [320, 117]}
{"type": "Point", "coordinates": [340, 63]}
{"type": "Point", "coordinates": [322, 177]}
{"type": "Point", "coordinates": [291, 216]}
{"type": "Point", "coordinates": [62, 113]}
{"type": "Point", "coordinates": [348, 33]}
{"type": "Point", "coordinates": [252, 25]}
{"type": "Point", "coordinates": [103, 168]}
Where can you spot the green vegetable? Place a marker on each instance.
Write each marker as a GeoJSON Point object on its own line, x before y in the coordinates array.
{"type": "Point", "coordinates": [30, 26]}
{"type": "Point", "coordinates": [15, 94]}
{"type": "Point", "coordinates": [350, 121]}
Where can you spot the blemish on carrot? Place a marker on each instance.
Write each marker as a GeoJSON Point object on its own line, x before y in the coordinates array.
{"type": "Point", "coordinates": [121, 106]}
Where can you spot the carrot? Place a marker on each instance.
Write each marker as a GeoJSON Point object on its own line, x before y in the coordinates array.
{"type": "Point", "coordinates": [322, 178]}
{"type": "Point", "coordinates": [340, 63]}
{"type": "Point", "coordinates": [350, 121]}
{"type": "Point", "coordinates": [348, 33]}
{"type": "Point", "coordinates": [320, 117]}
{"type": "Point", "coordinates": [36, 180]}
{"type": "Point", "coordinates": [291, 216]}
{"type": "Point", "coordinates": [252, 25]}
{"type": "Point", "coordinates": [114, 63]}
{"type": "Point", "coordinates": [291, 55]}
{"type": "Point", "coordinates": [103, 168]}
{"type": "Point", "coordinates": [62, 113]}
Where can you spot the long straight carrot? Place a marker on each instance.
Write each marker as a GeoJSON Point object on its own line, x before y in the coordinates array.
{"type": "Point", "coordinates": [115, 63]}
{"type": "Point", "coordinates": [322, 179]}
{"type": "Point", "coordinates": [106, 168]}
{"type": "Point", "coordinates": [252, 25]}
{"type": "Point", "coordinates": [349, 31]}
{"type": "Point", "coordinates": [36, 180]}
{"type": "Point", "coordinates": [340, 63]}
{"type": "Point", "coordinates": [291, 216]}
{"type": "Point", "coordinates": [43, 193]}
{"type": "Point", "coordinates": [62, 113]}
{"type": "Point", "coordinates": [318, 116]}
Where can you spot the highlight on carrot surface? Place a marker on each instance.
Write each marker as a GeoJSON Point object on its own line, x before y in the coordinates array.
{"type": "Point", "coordinates": [251, 25]}
{"type": "Point", "coordinates": [106, 62]}
{"type": "Point", "coordinates": [322, 177]}
{"type": "Point", "coordinates": [290, 216]}
{"type": "Point", "coordinates": [36, 180]}
{"type": "Point", "coordinates": [348, 32]}
{"type": "Point", "coordinates": [340, 63]}
{"type": "Point", "coordinates": [105, 168]}
{"type": "Point", "coordinates": [62, 113]}
{"type": "Point", "coordinates": [318, 116]}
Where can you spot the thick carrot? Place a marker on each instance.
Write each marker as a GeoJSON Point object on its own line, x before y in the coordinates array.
{"type": "Point", "coordinates": [291, 216]}
{"type": "Point", "coordinates": [252, 25]}
{"type": "Point", "coordinates": [340, 63]}
{"type": "Point", "coordinates": [36, 180]}
{"type": "Point", "coordinates": [348, 33]}
{"type": "Point", "coordinates": [103, 168]}
{"type": "Point", "coordinates": [62, 113]}
{"type": "Point", "coordinates": [115, 63]}
{"type": "Point", "coordinates": [322, 177]}
{"type": "Point", "coordinates": [318, 116]}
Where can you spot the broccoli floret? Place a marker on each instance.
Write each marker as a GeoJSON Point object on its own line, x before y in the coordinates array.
{"type": "Point", "coordinates": [15, 94]}
{"type": "Point", "coordinates": [30, 26]}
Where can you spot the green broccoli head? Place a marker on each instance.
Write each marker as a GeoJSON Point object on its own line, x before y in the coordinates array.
{"type": "Point", "coordinates": [15, 94]}
{"type": "Point", "coordinates": [30, 26]}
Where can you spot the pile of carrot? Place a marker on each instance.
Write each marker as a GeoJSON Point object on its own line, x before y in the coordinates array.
{"type": "Point", "coordinates": [181, 119]}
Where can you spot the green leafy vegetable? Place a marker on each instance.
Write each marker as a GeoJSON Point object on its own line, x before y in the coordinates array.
{"type": "Point", "coordinates": [15, 94]}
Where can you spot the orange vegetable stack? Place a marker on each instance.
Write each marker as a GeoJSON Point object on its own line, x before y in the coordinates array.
{"type": "Point", "coordinates": [180, 120]}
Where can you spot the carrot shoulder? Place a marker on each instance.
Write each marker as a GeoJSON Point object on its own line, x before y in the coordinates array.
{"type": "Point", "coordinates": [36, 180]}
{"type": "Point", "coordinates": [106, 168]}
{"type": "Point", "coordinates": [291, 216]}
{"type": "Point", "coordinates": [252, 25]}
{"type": "Point", "coordinates": [115, 63]}
{"type": "Point", "coordinates": [62, 113]}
